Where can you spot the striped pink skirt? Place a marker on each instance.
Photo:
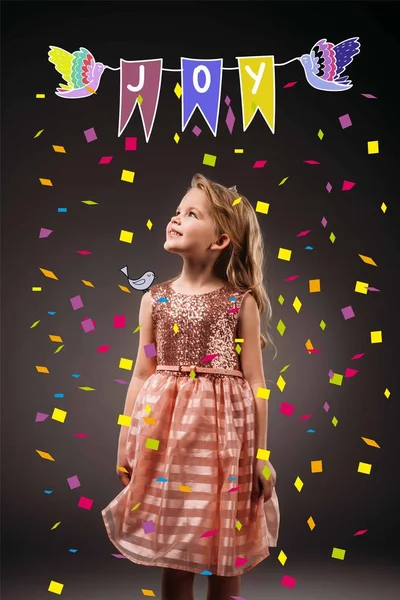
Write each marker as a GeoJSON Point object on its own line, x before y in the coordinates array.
{"type": "Point", "coordinates": [188, 505]}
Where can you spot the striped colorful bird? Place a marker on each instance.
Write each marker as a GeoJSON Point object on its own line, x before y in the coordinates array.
{"type": "Point", "coordinates": [326, 63]}
{"type": "Point", "coordinates": [79, 69]}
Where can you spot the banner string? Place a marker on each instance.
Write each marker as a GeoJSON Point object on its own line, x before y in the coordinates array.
{"type": "Point", "coordinates": [223, 68]}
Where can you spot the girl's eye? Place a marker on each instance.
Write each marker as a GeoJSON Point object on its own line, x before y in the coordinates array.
{"type": "Point", "coordinates": [191, 212]}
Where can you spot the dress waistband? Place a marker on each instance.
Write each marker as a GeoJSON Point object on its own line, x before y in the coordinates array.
{"type": "Point", "coordinates": [196, 369]}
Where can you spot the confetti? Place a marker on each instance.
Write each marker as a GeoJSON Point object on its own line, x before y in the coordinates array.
{"type": "Point", "coordinates": [290, 84]}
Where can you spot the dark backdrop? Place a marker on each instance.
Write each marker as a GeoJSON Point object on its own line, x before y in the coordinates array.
{"type": "Point", "coordinates": [341, 500]}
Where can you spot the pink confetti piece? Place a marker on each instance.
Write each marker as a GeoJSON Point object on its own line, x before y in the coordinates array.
{"type": "Point", "coordinates": [350, 372]}
{"type": "Point", "coordinates": [347, 185]}
{"type": "Point", "coordinates": [148, 526]}
{"type": "Point", "coordinates": [230, 120]}
{"type": "Point", "coordinates": [131, 143]}
{"type": "Point", "coordinates": [356, 356]}
{"type": "Point", "coordinates": [208, 357]}
{"type": "Point", "coordinates": [233, 489]}
{"type": "Point", "coordinates": [210, 533]}
{"type": "Point", "coordinates": [259, 164]}
{"type": "Point", "coordinates": [291, 278]}
{"type": "Point", "coordinates": [290, 84]}
{"type": "Point", "coordinates": [41, 417]}
{"type": "Point", "coordinates": [119, 321]}
{"type": "Point", "coordinates": [303, 233]}
{"type": "Point", "coordinates": [80, 435]}
{"type": "Point", "coordinates": [88, 325]}
{"type": "Point", "coordinates": [324, 222]}
{"type": "Point", "coordinates": [44, 233]}
{"type": "Point", "coordinates": [305, 417]}
{"type": "Point", "coordinates": [227, 100]}
{"type": "Point", "coordinates": [348, 312]}
{"type": "Point", "coordinates": [150, 350]}
{"type": "Point", "coordinates": [238, 598]}
{"type": "Point", "coordinates": [373, 289]}
{"type": "Point", "coordinates": [121, 381]}
{"type": "Point", "coordinates": [76, 302]}
{"type": "Point", "coordinates": [288, 582]}
{"type": "Point", "coordinates": [312, 162]}
{"type": "Point", "coordinates": [232, 310]}
{"type": "Point", "coordinates": [103, 349]}
{"type": "Point", "coordinates": [240, 561]}
{"type": "Point", "coordinates": [286, 409]}
{"type": "Point", "coordinates": [83, 252]}
{"type": "Point", "coordinates": [105, 160]}
{"type": "Point", "coordinates": [328, 187]}
{"type": "Point", "coordinates": [313, 351]}
{"type": "Point", "coordinates": [361, 532]}
{"type": "Point", "coordinates": [369, 96]}
{"type": "Point", "coordinates": [73, 482]}
{"type": "Point", "coordinates": [90, 135]}
{"type": "Point", "coordinates": [345, 121]}
{"type": "Point", "coordinates": [85, 503]}
{"type": "Point", "coordinates": [326, 407]}
{"type": "Point", "coordinates": [118, 556]}
{"type": "Point", "coordinates": [196, 130]}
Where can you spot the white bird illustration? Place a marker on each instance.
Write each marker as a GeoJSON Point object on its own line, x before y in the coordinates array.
{"type": "Point", "coordinates": [143, 283]}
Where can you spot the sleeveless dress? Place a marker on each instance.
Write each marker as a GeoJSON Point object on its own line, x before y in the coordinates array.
{"type": "Point", "coordinates": [191, 447]}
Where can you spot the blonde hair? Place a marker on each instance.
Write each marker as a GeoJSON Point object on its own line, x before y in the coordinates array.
{"type": "Point", "coordinates": [241, 263]}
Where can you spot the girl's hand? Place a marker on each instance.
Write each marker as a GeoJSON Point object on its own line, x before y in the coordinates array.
{"type": "Point", "coordinates": [122, 461]}
{"type": "Point", "coordinates": [261, 485]}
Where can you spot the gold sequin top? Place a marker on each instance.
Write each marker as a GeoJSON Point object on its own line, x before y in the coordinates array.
{"type": "Point", "coordinates": [190, 327]}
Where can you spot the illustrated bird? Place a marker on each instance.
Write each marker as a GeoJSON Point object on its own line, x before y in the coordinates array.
{"type": "Point", "coordinates": [326, 63]}
{"type": "Point", "coordinates": [143, 283]}
{"type": "Point", "coordinates": [79, 69]}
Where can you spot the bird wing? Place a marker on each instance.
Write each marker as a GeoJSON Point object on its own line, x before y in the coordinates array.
{"type": "Point", "coordinates": [324, 60]}
{"type": "Point", "coordinates": [76, 68]}
{"type": "Point", "coordinates": [344, 54]}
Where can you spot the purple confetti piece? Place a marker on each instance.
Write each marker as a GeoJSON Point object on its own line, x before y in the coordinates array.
{"type": "Point", "coordinates": [324, 222]}
{"type": "Point", "coordinates": [149, 527]}
{"type": "Point", "coordinates": [345, 121]}
{"type": "Point", "coordinates": [76, 302]}
{"type": "Point", "coordinates": [44, 233]}
{"type": "Point", "coordinates": [87, 325]}
{"type": "Point", "coordinates": [369, 96]}
{"type": "Point", "coordinates": [118, 556]}
{"type": "Point", "coordinates": [326, 407]}
{"type": "Point", "coordinates": [227, 100]}
{"type": "Point", "coordinates": [348, 312]}
{"type": "Point", "coordinates": [150, 350]}
{"type": "Point", "coordinates": [329, 187]}
{"type": "Point", "coordinates": [41, 417]}
{"type": "Point", "coordinates": [196, 130]}
{"type": "Point", "coordinates": [90, 135]}
{"type": "Point", "coordinates": [230, 120]}
{"type": "Point", "coordinates": [73, 482]}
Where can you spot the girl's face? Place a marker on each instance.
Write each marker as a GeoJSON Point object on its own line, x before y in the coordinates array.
{"type": "Point", "coordinates": [193, 221]}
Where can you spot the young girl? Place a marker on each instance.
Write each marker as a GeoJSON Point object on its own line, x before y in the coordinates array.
{"type": "Point", "coordinates": [199, 493]}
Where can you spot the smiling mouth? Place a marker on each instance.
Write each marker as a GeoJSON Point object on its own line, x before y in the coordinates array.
{"type": "Point", "coordinates": [172, 233]}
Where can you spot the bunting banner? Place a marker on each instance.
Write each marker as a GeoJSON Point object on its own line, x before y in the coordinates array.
{"type": "Point", "coordinates": [201, 82]}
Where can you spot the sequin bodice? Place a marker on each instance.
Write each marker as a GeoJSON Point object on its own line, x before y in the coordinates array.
{"type": "Point", "coordinates": [189, 328]}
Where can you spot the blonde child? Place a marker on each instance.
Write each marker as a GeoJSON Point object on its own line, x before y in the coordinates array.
{"type": "Point", "coordinates": [197, 497]}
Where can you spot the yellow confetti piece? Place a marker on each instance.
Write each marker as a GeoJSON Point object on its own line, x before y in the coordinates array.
{"type": "Point", "coordinates": [238, 349]}
{"type": "Point", "coordinates": [178, 90]}
{"type": "Point", "coordinates": [55, 338]}
{"type": "Point", "coordinates": [176, 138]}
{"type": "Point", "coordinates": [281, 383]}
{"type": "Point", "coordinates": [334, 421]}
{"type": "Point", "coordinates": [36, 289]}
{"type": "Point", "coordinates": [311, 523]}
{"type": "Point", "coordinates": [59, 149]}
{"type": "Point", "coordinates": [332, 237]}
{"type": "Point", "coordinates": [266, 472]}
{"type": "Point", "coordinates": [89, 202]}
{"type": "Point", "coordinates": [34, 324]}
{"type": "Point", "coordinates": [320, 134]}
{"type": "Point", "coordinates": [48, 274]}
{"type": "Point", "coordinates": [128, 176]}
{"type": "Point", "coordinates": [238, 150]}
{"type": "Point", "coordinates": [126, 236]}
{"type": "Point", "coordinates": [150, 420]}
{"type": "Point", "coordinates": [124, 420]}
{"type": "Point", "coordinates": [148, 409]}
{"type": "Point", "coordinates": [149, 225]}
{"type": "Point", "coordinates": [42, 369]}
{"type": "Point", "coordinates": [338, 553]}
{"type": "Point", "coordinates": [314, 285]}
{"type": "Point", "coordinates": [240, 340]}
{"type": "Point", "coordinates": [148, 593]}
{"type": "Point", "coordinates": [237, 201]}
{"type": "Point", "coordinates": [38, 133]}
{"type": "Point", "coordinates": [282, 557]}
{"type": "Point", "coordinates": [58, 349]}
{"type": "Point", "coordinates": [85, 388]}
{"type": "Point", "coordinates": [175, 328]}
{"type": "Point", "coordinates": [263, 454]}
{"type": "Point", "coordinates": [316, 466]}
{"type": "Point", "coordinates": [122, 469]}
{"type": "Point", "coordinates": [336, 379]}
{"type": "Point", "coordinates": [184, 488]}
{"type": "Point", "coordinates": [262, 207]}
{"type": "Point", "coordinates": [136, 506]}
{"type": "Point", "coordinates": [298, 484]}
{"type": "Point", "coordinates": [361, 287]}
{"type": "Point", "coordinates": [140, 99]}
{"type": "Point", "coordinates": [322, 325]}
{"type": "Point", "coordinates": [370, 442]}
{"type": "Point", "coordinates": [383, 207]}
{"type": "Point", "coordinates": [59, 415]}
{"type": "Point", "coordinates": [152, 444]}
{"type": "Point", "coordinates": [125, 363]}
{"type": "Point", "coordinates": [137, 329]}
{"type": "Point", "coordinates": [284, 254]}
{"type": "Point", "coordinates": [45, 455]}
{"type": "Point", "coordinates": [87, 283]}
{"type": "Point", "coordinates": [297, 304]}
{"type": "Point", "coordinates": [123, 288]}
{"type": "Point", "coordinates": [209, 160]}
{"type": "Point", "coordinates": [263, 393]}
{"type": "Point", "coordinates": [285, 368]}
{"type": "Point", "coordinates": [238, 525]}
{"type": "Point", "coordinates": [281, 299]}
{"type": "Point", "coordinates": [283, 181]}
{"type": "Point", "coordinates": [387, 393]}
{"type": "Point", "coordinates": [55, 525]}
{"type": "Point", "coordinates": [368, 260]}
{"type": "Point", "coordinates": [376, 337]}
{"type": "Point", "coordinates": [281, 327]}
{"type": "Point", "coordinates": [364, 468]}
{"type": "Point", "coordinates": [55, 587]}
{"type": "Point", "coordinates": [41, 96]}
{"type": "Point", "coordinates": [373, 147]}
{"type": "Point", "coordinates": [45, 181]}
